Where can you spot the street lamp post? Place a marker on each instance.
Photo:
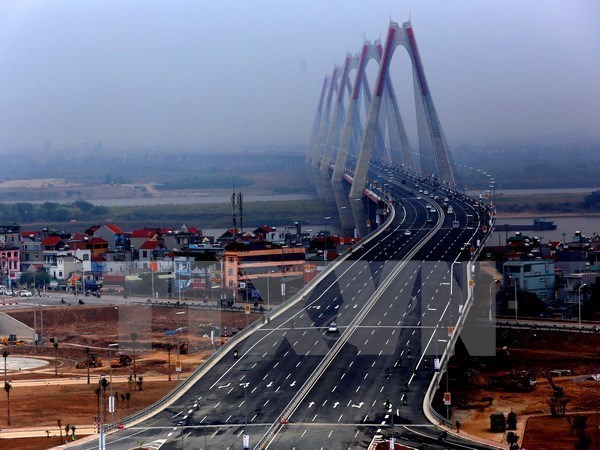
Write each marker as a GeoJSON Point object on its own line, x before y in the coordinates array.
{"type": "Point", "coordinates": [205, 431]}
{"type": "Point", "coordinates": [451, 284]}
{"type": "Point", "coordinates": [492, 284]}
{"type": "Point", "coordinates": [325, 251]}
{"type": "Point", "coordinates": [245, 370]}
{"type": "Point", "coordinates": [111, 401]}
{"type": "Point", "coordinates": [579, 300]}
{"type": "Point", "coordinates": [516, 302]}
{"type": "Point", "coordinates": [447, 377]}
{"type": "Point", "coordinates": [177, 349]}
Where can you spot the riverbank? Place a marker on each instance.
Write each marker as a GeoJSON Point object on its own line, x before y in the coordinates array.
{"type": "Point", "coordinates": [534, 215]}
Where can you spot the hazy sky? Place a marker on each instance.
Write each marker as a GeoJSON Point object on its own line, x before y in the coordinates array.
{"type": "Point", "coordinates": [205, 73]}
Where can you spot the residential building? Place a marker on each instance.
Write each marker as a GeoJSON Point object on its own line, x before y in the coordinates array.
{"type": "Point", "coordinates": [536, 276]}
{"type": "Point", "coordinates": [31, 254]}
{"type": "Point", "coordinates": [117, 239]}
{"type": "Point", "coordinates": [138, 237]}
{"type": "Point", "coordinates": [269, 261]}
{"type": "Point", "coordinates": [10, 264]}
{"type": "Point", "coordinates": [10, 235]}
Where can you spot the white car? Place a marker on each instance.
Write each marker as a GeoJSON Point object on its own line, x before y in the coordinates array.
{"type": "Point", "coordinates": [426, 192]}
{"type": "Point", "coordinates": [407, 233]}
{"type": "Point", "coordinates": [332, 328]}
{"type": "Point", "coordinates": [25, 293]}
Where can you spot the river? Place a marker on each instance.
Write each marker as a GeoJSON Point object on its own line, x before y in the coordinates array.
{"type": "Point", "coordinates": [588, 225]}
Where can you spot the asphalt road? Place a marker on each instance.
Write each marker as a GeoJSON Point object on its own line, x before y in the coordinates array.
{"type": "Point", "coordinates": [385, 344]}
{"type": "Point", "coordinates": [385, 359]}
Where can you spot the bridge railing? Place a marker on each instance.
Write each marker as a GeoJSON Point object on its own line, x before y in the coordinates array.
{"type": "Point", "coordinates": [437, 379]}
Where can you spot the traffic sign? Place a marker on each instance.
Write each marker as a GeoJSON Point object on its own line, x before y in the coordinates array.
{"type": "Point", "coordinates": [447, 398]}
{"type": "Point", "coordinates": [247, 309]}
{"type": "Point", "coordinates": [177, 366]}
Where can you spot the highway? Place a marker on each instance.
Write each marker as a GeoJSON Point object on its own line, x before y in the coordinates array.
{"type": "Point", "coordinates": [387, 299]}
{"type": "Point", "coordinates": [385, 357]}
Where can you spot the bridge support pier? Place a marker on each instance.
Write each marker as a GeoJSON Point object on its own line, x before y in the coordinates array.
{"type": "Point", "coordinates": [344, 208]}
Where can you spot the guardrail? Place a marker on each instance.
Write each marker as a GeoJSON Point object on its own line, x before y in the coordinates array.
{"type": "Point", "coordinates": [590, 329]}
{"type": "Point", "coordinates": [436, 380]}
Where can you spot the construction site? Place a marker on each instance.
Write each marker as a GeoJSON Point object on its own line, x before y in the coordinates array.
{"type": "Point", "coordinates": [59, 380]}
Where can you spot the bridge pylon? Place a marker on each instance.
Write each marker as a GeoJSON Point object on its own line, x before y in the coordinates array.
{"type": "Point", "coordinates": [434, 153]}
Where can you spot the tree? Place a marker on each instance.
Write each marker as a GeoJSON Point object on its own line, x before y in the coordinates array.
{"type": "Point", "coordinates": [591, 201]}
{"type": "Point", "coordinates": [5, 355]}
{"type": "Point", "coordinates": [170, 346]}
{"type": "Point", "coordinates": [134, 337]}
{"type": "Point", "coordinates": [83, 206]}
{"type": "Point", "coordinates": [59, 428]}
{"type": "Point", "coordinates": [7, 388]}
{"type": "Point", "coordinates": [579, 424]}
{"type": "Point", "coordinates": [140, 382]}
{"type": "Point", "coordinates": [55, 345]}
{"type": "Point", "coordinates": [73, 432]}
{"type": "Point", "coordinates": [98, 392]}
{"type": "Point", "coordinates": [104, 385]}
{"type": "Point", "coordinates": [67, 429]}
{"type": "Point", "coordinates": [128, 397]}
{"type": "Point", "coordinates": [130, 382]}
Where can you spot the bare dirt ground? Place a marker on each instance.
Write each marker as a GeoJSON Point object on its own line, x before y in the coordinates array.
{"type": "Point", "coordinates": [38, 398]}
{"type": "Point", "coordinates": [35, 183]}
{"type": "Point", "coordinates": [550, 433]}
{"type": "Point", "coordinates": [536, 353]}
{"type": "Point", "coordinates": [31, 443]}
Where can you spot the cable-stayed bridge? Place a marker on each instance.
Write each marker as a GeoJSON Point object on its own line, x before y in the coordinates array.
{"type": "Point", "coordinates": [359, 354]}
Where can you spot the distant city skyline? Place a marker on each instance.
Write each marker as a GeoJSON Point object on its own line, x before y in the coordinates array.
{"type": "Point", "coordinates": [238, 74]}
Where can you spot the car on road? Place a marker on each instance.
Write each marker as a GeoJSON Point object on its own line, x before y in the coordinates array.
{"type": "Point", "coordinates": [332, 328]}
{"type": "Point", "coordinates": [426, 192]}
{"type": "Point", "coordinates": [25, 293]}
{"type": "Point", "coordinates": [428, 220]}
{"type": "Point", "coordinates": [407, 233]}
{"type": "Point", "coordinates": [418, 197]}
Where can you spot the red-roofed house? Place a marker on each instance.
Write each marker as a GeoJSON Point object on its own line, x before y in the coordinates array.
{"type": "Point", "coordinates": [117, 239]}
{"type": "Point", "coordinates": [52, 243]}
{"type": "Point", "coordinates": [151, 250]}
{"type": "Point", "coordinates": [31, 235]}
{"type": "Point", "coordinates": [138, 237]}
{"type": "Point", "coordinates": [266, 233]}
{"type": "Point", "coordinates": [97, 246]}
